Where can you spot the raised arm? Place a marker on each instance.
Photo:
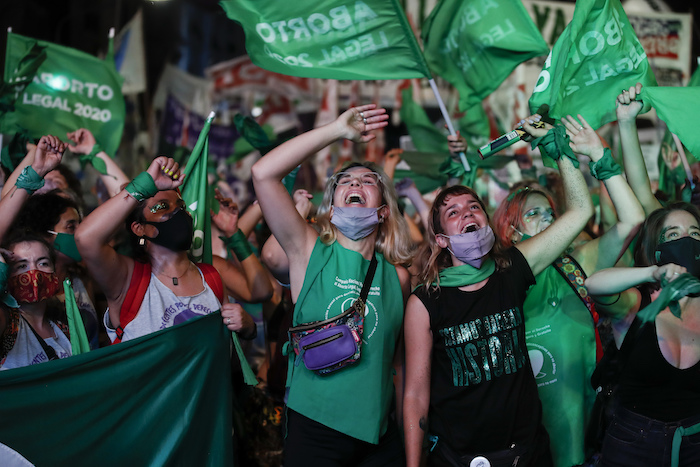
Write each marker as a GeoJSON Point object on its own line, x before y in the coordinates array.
{"type": "Point", "coordinates": [111, 270]}
{"type": "Point", "coordinates": [542, 249]}
{"type": "Point", "coordinates": [248, 281]}
{"type": "Point", "coordinates": [627, 110]}
{"type": "Point", "coordinates": [27, 178]}
{"type": "Point", "coordinates": [296, 237]}
{"type": "Point", "coordinates": [603, 252]}
{"type": "Point", "coordinates": [85, 145]}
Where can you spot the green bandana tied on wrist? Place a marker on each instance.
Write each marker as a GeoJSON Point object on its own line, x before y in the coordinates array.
{"type": "Point", "coordinates": [29, 180]}
{"type": "Point", "coordinates": [671, 292]}
{"type": "Point", "coordinates": [553, 145]}
{"type": "Point", "coordinates": [92, 159]}
{"type": "Point", "coordinates": [238, 244]}
{"type": "Point", "coordinates": [458, 276]}
{"type": "Point", "coordinates": [142, 187]}
{"type": "Point", "coordinates": [605, 167]}
{"type": "Point", "coordinates": [5, 296]}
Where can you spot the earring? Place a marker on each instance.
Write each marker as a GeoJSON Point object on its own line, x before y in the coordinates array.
{"type": "Point", "coordinates": [142, 241]}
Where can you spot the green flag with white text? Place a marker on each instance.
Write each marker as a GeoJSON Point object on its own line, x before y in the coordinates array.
{"type": "Point", "coordinates": [336, 39]}
{"type": "Point", "coordinates": [69, 90]}
{"type": "Point", "coordinates": [196, 195]}
{"type": "Point", "coordinates": [163, 399]}
{"type": "Point", "coordinates": [596, 56]}
{"type": "Point", "coordinates": [476, 44]}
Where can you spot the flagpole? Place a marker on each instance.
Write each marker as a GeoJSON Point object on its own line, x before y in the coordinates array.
{"type": "Point", "coordinates": [684, 160]}
{"type": "Point", "coordinates": [446, 116]}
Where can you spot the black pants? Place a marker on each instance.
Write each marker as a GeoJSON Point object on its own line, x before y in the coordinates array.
{"type": "Point", "coordinates": [311, 443]}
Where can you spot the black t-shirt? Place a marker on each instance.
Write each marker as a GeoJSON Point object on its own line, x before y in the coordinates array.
{"type": "Point", "coordinates": [483, 394]}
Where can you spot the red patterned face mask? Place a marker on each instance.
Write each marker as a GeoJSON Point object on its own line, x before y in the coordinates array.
{"type": "Point", "coordinates": [33, 286]}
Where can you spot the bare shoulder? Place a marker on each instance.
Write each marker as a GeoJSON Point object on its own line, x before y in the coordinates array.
{"type": "Point", "coordinates": [404, 280]}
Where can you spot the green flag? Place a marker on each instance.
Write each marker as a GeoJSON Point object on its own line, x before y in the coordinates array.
{"type": "Point", "coordinates": [337, 39]}
{"type": "Point", "coordinates": [70, 90]}
{"type": "Point", "coordinates": [17, 80]}
{"type": "Point", "coordinates": [596, 56]}
{"type": "Point", "coordinates": [196, 195]}
{"type": "Point", "coordinates": [476, 44]}
{"type": "Point", "coordinates": [423, 168]}
{"type": "Point", "coordinates": [78, 337]}
{"type": "Point", "coordinates": [679, 108]}
{"type": "Point", "coordinates": [162, 399]}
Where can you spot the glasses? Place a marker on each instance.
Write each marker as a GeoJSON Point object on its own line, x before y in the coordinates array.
{"type": "Point", "coordinates": [364, 178]}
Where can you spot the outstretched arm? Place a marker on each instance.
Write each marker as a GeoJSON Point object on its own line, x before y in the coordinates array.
{"type": "Point", "coordinates": [84, 144]}
{"type": "Point", "coordinates": [295, 236]}
{"type": "Point", "coordinates": [627, 110]}
{"type": "Point", "coordinates": [604, 251]}
{"type": "Point", "coordinates": [545, 247]}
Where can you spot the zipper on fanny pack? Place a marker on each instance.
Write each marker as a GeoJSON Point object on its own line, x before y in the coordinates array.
{"type": "Point", "coordinates": [323, 341]}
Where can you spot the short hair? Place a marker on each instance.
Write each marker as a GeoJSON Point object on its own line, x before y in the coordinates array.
{"type": "Point", "coordinates": [42, 212]}
{"type": "Point", "coordinates": [19, 236]}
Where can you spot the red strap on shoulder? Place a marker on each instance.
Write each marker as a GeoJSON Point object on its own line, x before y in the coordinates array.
{"type": "Point", "coordinates": [140, 279]}
{"type": "Point", "coordinates": [213, 278]}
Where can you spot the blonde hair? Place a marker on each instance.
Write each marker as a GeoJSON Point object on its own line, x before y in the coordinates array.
{"type": "Point", "coordinates": [393, 238]}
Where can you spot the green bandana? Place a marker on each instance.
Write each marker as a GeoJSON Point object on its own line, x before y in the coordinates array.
{"type": "Point", "coordinates": [142, 187]}
{"type": "Point", "coordinates": [93, 160]}
{"type": "Point", "coordinates": [553, 145]}
{"type": "Point", "coordinates": [29, 180]}
{"type": "Point", "coordinates": [605, 167]}
{"type": "Point", "coordinates": [671, 292]}
{"type": "Point", "coordinates": [458, 276]}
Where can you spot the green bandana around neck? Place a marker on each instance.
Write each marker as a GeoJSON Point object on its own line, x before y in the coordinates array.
{"type": "Point", "coordinates": [458, 276]}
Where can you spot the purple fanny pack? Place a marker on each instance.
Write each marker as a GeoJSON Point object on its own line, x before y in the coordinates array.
{"type": "Point", "coordinates": [329, 345]}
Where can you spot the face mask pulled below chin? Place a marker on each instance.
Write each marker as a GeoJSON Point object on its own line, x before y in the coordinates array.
{"type": "Point", "coordinates": [683, 252]}
{"type": "Point", "coordinates": [33, 286]}
{"type": "Point", "coordinates": [65, 243]}
{"type": "Point", "coordinates": [355, 222]}
{"type": "Point", "coordinates": [471, 247]}
{"type": "Point", "coordinates": [176, 233]}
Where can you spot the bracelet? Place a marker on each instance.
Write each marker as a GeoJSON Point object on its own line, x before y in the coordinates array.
{"type": "Point", "coordinates": [554, 145]}
{"type": "Point", "coordinates": [29, 180]}
{"type": "Point", "coordinates": [605, 167]}
{"type": "Point", "coordinates": [5, 296]}
{"type": "Point", "coordinates": [611, 303]}
{"type": "Point", "coordinates": [238, 244]}
{"type": "Point", "coordinates": [142, 187]}
{"type": "Point", "coordinates": [93, 160]}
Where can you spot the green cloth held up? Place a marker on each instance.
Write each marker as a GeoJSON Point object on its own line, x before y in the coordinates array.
{"type": "Point", "coordinates": [553, 145]}
{"type": "Point", "coordinates": [671, 292]}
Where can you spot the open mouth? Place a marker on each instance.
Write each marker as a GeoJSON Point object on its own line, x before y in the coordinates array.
{"type": "Point", "coordinates": [354, 198]}
{"type": "Point", "coordinates": [470, 228]}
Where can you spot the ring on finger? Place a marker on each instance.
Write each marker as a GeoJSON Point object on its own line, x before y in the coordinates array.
{"type": "Point", "coordinates": [362, 114]}
{"type": "Point", "coordinates": [580, 128]}
{"type": "Point", "coordinates": [228, 320]}
{"type": "Point", "coordinates": [365, 121]}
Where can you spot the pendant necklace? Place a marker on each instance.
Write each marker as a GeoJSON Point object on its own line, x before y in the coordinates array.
{"type": "Point", "coordinates": [175, 279]}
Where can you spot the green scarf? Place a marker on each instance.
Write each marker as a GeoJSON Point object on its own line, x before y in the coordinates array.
{"type": "Point", "coordinates": [670, 294]}
{"type": "Point", "coordinates": [554, 145]}
{"type": "Point", "coordinates": [458, 276]}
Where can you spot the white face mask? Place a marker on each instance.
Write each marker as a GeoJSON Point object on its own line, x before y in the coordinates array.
{"type": "Point", "coordinates": [471, 247]}
{"type": "Point", "coordinates": [355, 222]}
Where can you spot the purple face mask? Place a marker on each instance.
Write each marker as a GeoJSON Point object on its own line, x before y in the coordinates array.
{"type": "Point", "coordinates": [471, 247]}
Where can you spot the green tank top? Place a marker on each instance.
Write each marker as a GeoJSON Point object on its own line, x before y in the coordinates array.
{"type": "Point", "coordinates": [560, 337]}
{"type": "Point", "coordinates": [355, 400]}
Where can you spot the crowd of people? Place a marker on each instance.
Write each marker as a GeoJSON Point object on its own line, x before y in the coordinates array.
{"type": "Point", "coordinates": [400, 328]}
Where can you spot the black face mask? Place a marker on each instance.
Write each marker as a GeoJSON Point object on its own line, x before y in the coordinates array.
{"type": "Point", "coordinates": [683, 252]}
{"type": "Point", "coordinates": [175, 233]}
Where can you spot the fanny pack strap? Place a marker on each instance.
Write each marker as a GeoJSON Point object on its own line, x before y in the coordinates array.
{"type": "Point", "coordinates": [368, 279]}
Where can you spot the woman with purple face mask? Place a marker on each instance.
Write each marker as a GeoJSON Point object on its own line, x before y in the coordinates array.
{"type": "Point", "coordinates": [358, 219]}
{"type": "Point", "coordinates": [469, 387]}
